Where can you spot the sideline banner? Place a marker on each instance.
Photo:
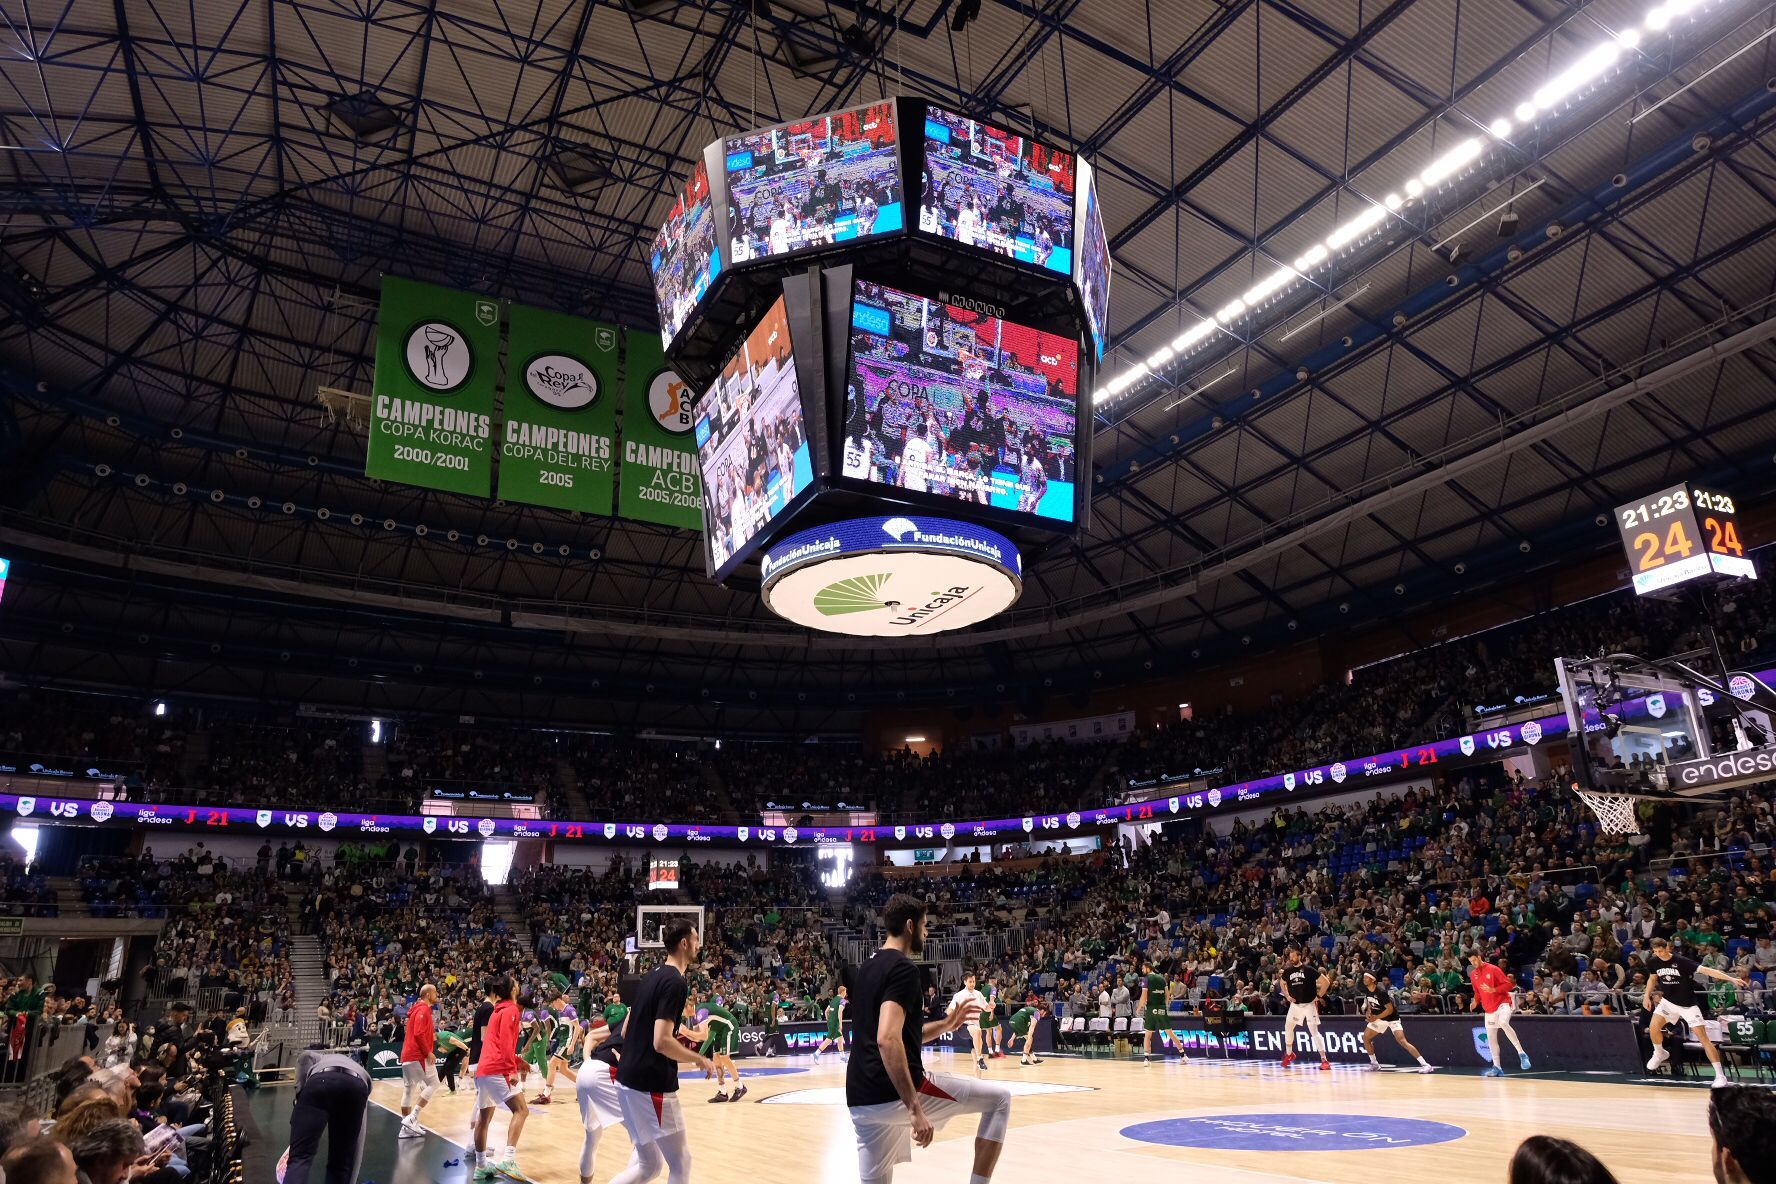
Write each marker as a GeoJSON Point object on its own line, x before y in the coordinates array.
{"type": "Point", "coordinates": [1567, 1042]}
{"type": "Point", "coordinates": [437, 358]}
{"type": "Point", "coordinates": [561, 412]}
{"type": "Point", "coordinates": [659, 481]}
{"type": "Point", "coordinates": [805, 1036]}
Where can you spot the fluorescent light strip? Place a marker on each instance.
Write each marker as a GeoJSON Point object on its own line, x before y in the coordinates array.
{"type": "Point", "coordinates": [1592, 65]}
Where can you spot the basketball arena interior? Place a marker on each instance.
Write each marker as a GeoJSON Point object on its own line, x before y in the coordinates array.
{"type": "Point", "coordinates": [846, 591]}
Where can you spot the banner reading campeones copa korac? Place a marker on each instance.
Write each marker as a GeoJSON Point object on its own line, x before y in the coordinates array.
{"type": "Point", "coordinates": [658, 481]}
{"type": "Point", "coordinates": [561, 412]}
{"type": "Point", "coordinates": [437, 361]}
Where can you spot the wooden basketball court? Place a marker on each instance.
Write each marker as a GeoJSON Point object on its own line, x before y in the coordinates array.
{"type": "Point", "coordinates": [1098, 1119]}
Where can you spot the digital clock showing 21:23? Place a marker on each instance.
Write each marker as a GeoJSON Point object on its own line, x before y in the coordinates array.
{"type": "Point", "coordinates": [1679, 534]}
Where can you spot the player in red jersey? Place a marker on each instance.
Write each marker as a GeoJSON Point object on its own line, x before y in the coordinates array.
{"type": "Point", "coordinates": [419, 1063]}
{"type": "Point", "coordinates": [1492, 994]}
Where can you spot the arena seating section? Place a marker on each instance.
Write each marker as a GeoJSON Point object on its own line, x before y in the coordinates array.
{"type": "Point", "coordinates": [1403, 885]}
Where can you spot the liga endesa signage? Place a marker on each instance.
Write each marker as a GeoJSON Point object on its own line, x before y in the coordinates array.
{"type": "Point", "coordinates": [1570, 1043]}
{"type": "Point", "coordinates": [1728, 766]}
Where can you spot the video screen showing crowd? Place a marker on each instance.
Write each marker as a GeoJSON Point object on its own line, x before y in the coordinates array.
{"type": "Point", "coordinates": [813, 183]}
{"type": "Point", "coordinates": [945, 400]}
{"type": "Point", "coordinates": [751, 438]}
{"type": "Point", "coordinates": [987, 187]}
{"type": "Point", "coordinates": [684, 261]}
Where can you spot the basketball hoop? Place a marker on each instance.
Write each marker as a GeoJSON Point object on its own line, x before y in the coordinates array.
{"type": "Point", "coordinates": [1615, 811]}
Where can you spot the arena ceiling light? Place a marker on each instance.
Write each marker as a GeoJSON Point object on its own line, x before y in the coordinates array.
{"type": "Point", "coordinates": [1562, 88]}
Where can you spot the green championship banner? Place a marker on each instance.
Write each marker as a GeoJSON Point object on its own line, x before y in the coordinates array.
{"type": "Point", "coordinates": [658, 481]}
{"type": "Point", "coordinates": [437, 359]}
{"type": "Point", "coordinates": [561, 412]}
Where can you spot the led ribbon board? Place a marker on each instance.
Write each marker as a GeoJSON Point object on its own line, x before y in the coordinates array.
{"type": "Point", "coordinates": [892, 577]}
{"type": "Point", "coordinates": [1169, 802]}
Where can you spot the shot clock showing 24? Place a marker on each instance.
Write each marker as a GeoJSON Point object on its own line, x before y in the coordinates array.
{"type": "Point", "coordinates": [1682, 534]}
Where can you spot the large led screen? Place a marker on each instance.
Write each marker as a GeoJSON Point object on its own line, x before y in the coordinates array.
{"type": "Point", "coordinates": [831, 179]}
{"type": "Point", "coordinates": [990, 188]}
{"type": "Point", "coordinates": [684, 260]}
{"type": "Point", "coordinates": [1093, 276]}
{"type": "Point", "coordinates": [752, 441]}
{"type": "Point", "coordinates": [948, 401]}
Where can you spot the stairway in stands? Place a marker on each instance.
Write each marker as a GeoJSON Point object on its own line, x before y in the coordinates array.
{"type": "Point", "coordinates": [308, 970]}
{"type": "Point", "coordinates": [718, 796]}
{"type": "Point", "coordinates": [570, 798]}
{"type": "Point", "coordinates": [505, 904]}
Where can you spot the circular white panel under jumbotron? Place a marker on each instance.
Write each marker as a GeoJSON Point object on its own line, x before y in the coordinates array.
{"type": "Point", "coordinates": [904, 576]}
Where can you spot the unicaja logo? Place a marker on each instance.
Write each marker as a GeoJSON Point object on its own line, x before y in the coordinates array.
{"type": "Point", "coordinates": [900, 528]}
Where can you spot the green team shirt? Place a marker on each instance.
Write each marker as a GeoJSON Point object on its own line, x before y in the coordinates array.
{"type": "Point", "coordinates": [1021, 1020]}
{"type": "Point", "coordinates": [1156, 994]}
{"type": "Point", "coordinates": [442, 1042]}
{"type": "Point", "coordinates": [720, 1014]}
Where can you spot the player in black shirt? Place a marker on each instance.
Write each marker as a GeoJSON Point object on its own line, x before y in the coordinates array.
{"type": "Point", "coordinates": [477, 1030]}
{"type": "Point", "coordinates": [894, 1103]}
{"type": "Point", "coordinates": [1675, 976]}
{"type": "Point", "coordinates": [1377, 1006]}
{"type": "Point", "coordinates": [647, 1074]}
{"type": "Point", "coordinates": [1303, 984]}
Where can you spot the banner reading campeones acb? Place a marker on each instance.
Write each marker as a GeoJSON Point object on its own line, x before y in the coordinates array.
{"type": "Point", "coordinates": [659, 481]}
{"type": "Point", "coordinates": [561, 411]}
{"type": "Point", "coordinates": [437, 358]}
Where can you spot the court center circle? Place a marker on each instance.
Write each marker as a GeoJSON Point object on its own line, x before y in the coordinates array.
{"type": "Point", "coordinates": [1293, 1132]}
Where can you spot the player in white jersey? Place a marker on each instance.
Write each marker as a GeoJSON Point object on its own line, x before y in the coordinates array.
{"type": "Point", "coordinates": [969, 997]}
{"type": "Point", "coordinates": [595, 1087]}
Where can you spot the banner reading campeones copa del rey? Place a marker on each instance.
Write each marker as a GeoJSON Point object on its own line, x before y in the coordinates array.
{"type": "Point", "coordinates": [437, 362]}
{"type": "Point", "coordinates": [561, 412]}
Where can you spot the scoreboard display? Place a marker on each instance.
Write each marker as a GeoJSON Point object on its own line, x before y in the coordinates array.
{"type": "Point", "coordinates": [1682, 534]}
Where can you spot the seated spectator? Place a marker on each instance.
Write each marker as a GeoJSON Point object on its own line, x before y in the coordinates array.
{"type": "Point", "coordinates": [1742, 1123]}
{"type": "Point", "coordinates": [1541, 1159]}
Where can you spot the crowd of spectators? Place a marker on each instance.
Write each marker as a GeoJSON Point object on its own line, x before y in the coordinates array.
{"type": "Point", "coordinates": [78, 732]}
{"type": "Point", "coordinates": [620, 778]}
{"type": "Point", "coordinates": [294, 762]}
{"type": "Point", "coordinates": [226, 938]}
{"type": "Point", "coordinates": [1429, 693]}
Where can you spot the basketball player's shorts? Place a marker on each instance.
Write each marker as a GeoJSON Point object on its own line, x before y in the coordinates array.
{"type": "Point", "coordinates": [885, 1131]}
{"type": "Point", "coordinates": [417, 1075]}
{"type": "Point", "coordinates": [595, 1085]}
{"type": "Point", "coordinates": [649, 1117]}
{"type": "Point", "coordinates": [1383, 1027]}
{"type": "Point", "coordinates": [989, 1018]}
{"type": "Point", "coordinates": [492, 1091]}
{"type": "Point", "coordinates": [1680, 1015]}
{"type": "Point", "coordinates": [1303, 1013]}
{"type": "Point", "coordinates": [1156, 1021]}
{"type": "Point", "coordinates": [722, 1039]}
{"type": "Point", "coordinates": [1500, 1015]}
{"type": "Point", "coordinates": [833, 1028]}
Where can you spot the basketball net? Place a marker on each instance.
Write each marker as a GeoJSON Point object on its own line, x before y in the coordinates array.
{"type": "Point", "coordinates": [1615, 811]}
